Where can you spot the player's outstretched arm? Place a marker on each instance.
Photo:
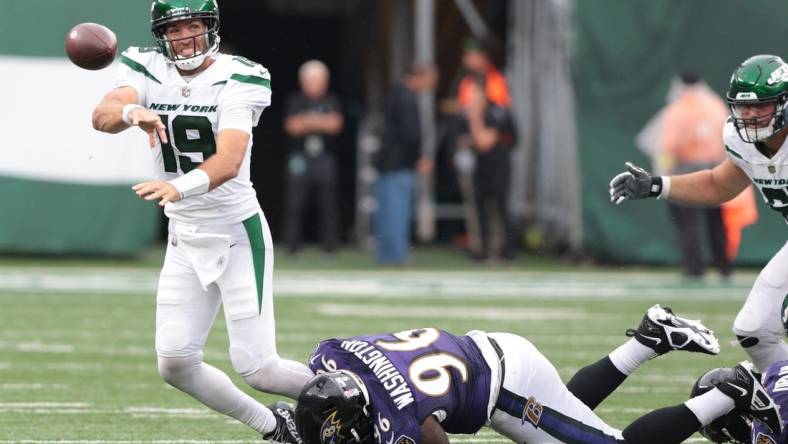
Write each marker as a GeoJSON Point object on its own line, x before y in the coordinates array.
{"type": "Point", "coordinates": [108, 114]}
{"type": "Point", "coordinates": [119, 110]}
{"type": "Point", "coordinates": [709, 187]}
{"type": "Point", "coordinates": [432, 432]}
{"type": "Point", "coordinates": [230, 152]}
{"type": "Point", "coordinates": [218, 169]}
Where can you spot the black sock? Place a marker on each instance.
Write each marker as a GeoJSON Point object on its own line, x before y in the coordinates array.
{"type": "Point", "coordinates": [593, 383]}
{"type": "Point", "coordinates": [663, 426]}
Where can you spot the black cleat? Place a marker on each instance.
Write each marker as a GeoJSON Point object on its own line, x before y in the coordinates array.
{"type": "Point", "coordinates": [663, 331]}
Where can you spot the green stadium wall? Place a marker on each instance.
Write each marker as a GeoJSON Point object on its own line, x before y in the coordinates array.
{"type": "Point", "coordinates": [64, 187]}
{"type": "Point", "coordinates": [626, 54]}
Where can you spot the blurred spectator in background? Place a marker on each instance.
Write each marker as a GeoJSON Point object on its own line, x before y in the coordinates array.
{"type": "Point", "coordinates": [399, 156]}
{"type": "Point", "coordinates": [489, 132]}
{"type": "Point", "coordinates": [313, 119]}
{"type": "Point", "coordinates": [477, 63]}
{"type": "Point", "coordinates": [478, 70]}
{"type": "Point", "coordinates": [691, 140]}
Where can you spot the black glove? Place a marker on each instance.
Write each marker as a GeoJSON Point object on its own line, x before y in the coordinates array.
{"type": "Point", "coordinates": [635, 183]}
{"type": "Point", "coordinates": [285, 431]}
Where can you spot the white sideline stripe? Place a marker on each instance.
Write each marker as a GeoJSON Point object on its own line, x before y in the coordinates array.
{"type": "Point", "coordinates": [455, 312]}
{"type": "Point", "coordinates": [396, 285]}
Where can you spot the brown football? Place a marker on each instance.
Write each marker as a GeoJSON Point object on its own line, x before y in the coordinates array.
{"type": "Point", "coordinates": [91, 46]}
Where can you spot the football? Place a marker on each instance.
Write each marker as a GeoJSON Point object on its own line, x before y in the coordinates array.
{"type": "Point", "coordinates": [91, 46]}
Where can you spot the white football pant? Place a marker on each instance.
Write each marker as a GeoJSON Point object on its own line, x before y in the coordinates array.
{"type": "Point", "coordinates": [540, 409]}
{"type": "Point", "coordinates": [759, 324]}
{"type": "Point", "coordinates": [238, 262]}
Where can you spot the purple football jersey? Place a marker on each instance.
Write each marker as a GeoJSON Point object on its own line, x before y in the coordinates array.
{"type": "Point", "coordinates": [412, 374]}
{"type": "Point", "coordinates": [775, 380]}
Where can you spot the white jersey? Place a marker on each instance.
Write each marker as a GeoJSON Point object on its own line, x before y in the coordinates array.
{"type": "Point", "coordinates": [769, 175]}
{"type": "Point", "coordinates": [192, 113]}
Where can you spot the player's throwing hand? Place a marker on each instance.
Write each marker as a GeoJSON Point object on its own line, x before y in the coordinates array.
{"type": "Point", "coordinates": [157, 189]}
{"type": "Point", "coordinates": [150, 123]}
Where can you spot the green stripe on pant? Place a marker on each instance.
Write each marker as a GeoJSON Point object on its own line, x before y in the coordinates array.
{"type": "Point", "coordinates": [254, 230]}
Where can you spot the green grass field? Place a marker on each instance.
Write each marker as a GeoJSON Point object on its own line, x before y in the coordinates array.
{"type": "Point", "coordinates": [77, 362]}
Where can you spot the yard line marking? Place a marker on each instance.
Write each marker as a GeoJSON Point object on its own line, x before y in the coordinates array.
{"type": "Point", "coordinates": [44, 405]}
{"type": "Point", "coordinates": [169, 411]}
{"type": "Point", "coordinates": [38, 347]}
{"type": "Point", "coordinates": [33, 386]}
{"type": "Point", "coordinates": [65, 408]}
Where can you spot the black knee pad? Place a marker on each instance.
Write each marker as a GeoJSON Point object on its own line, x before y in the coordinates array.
{"type": "Point", "coordinates": [748, 341]}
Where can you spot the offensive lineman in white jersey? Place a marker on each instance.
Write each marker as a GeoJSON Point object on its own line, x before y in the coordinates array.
{"type": "Point", "coordinates": [754, 137]}
{"type": "Point", "coordinates": [198, 107]}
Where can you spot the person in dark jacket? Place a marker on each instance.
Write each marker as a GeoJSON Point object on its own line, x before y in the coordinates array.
{"type": "Point", "coordinates": [398, 161]}
{"type": "Point", "coordinates": [313, 119]}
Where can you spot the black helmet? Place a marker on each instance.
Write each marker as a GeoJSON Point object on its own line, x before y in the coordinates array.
{"type": "Point", "coordinates": [733, 427]}
{"type": "Point", "coordinates": [332, 409]}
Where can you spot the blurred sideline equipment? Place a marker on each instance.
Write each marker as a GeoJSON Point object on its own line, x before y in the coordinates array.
{"type": "Point", "coordinates": [91, 46]}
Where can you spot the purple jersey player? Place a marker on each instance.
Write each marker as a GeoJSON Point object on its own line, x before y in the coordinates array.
{"type": "Point", "coordinates": [417, 385]}
{"type": "Point", "coordinates": [414, 374]}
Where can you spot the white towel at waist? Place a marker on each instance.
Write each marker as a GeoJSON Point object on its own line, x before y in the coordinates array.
{"type": "Point", "coordinates": [207, 252]}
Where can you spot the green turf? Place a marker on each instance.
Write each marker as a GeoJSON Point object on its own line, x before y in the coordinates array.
{"type": "Point", "coordinates": [80, 365]}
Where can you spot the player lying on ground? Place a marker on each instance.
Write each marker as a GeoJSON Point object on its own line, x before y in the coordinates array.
{"type": "Point", "coordinates": [416, 386]}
